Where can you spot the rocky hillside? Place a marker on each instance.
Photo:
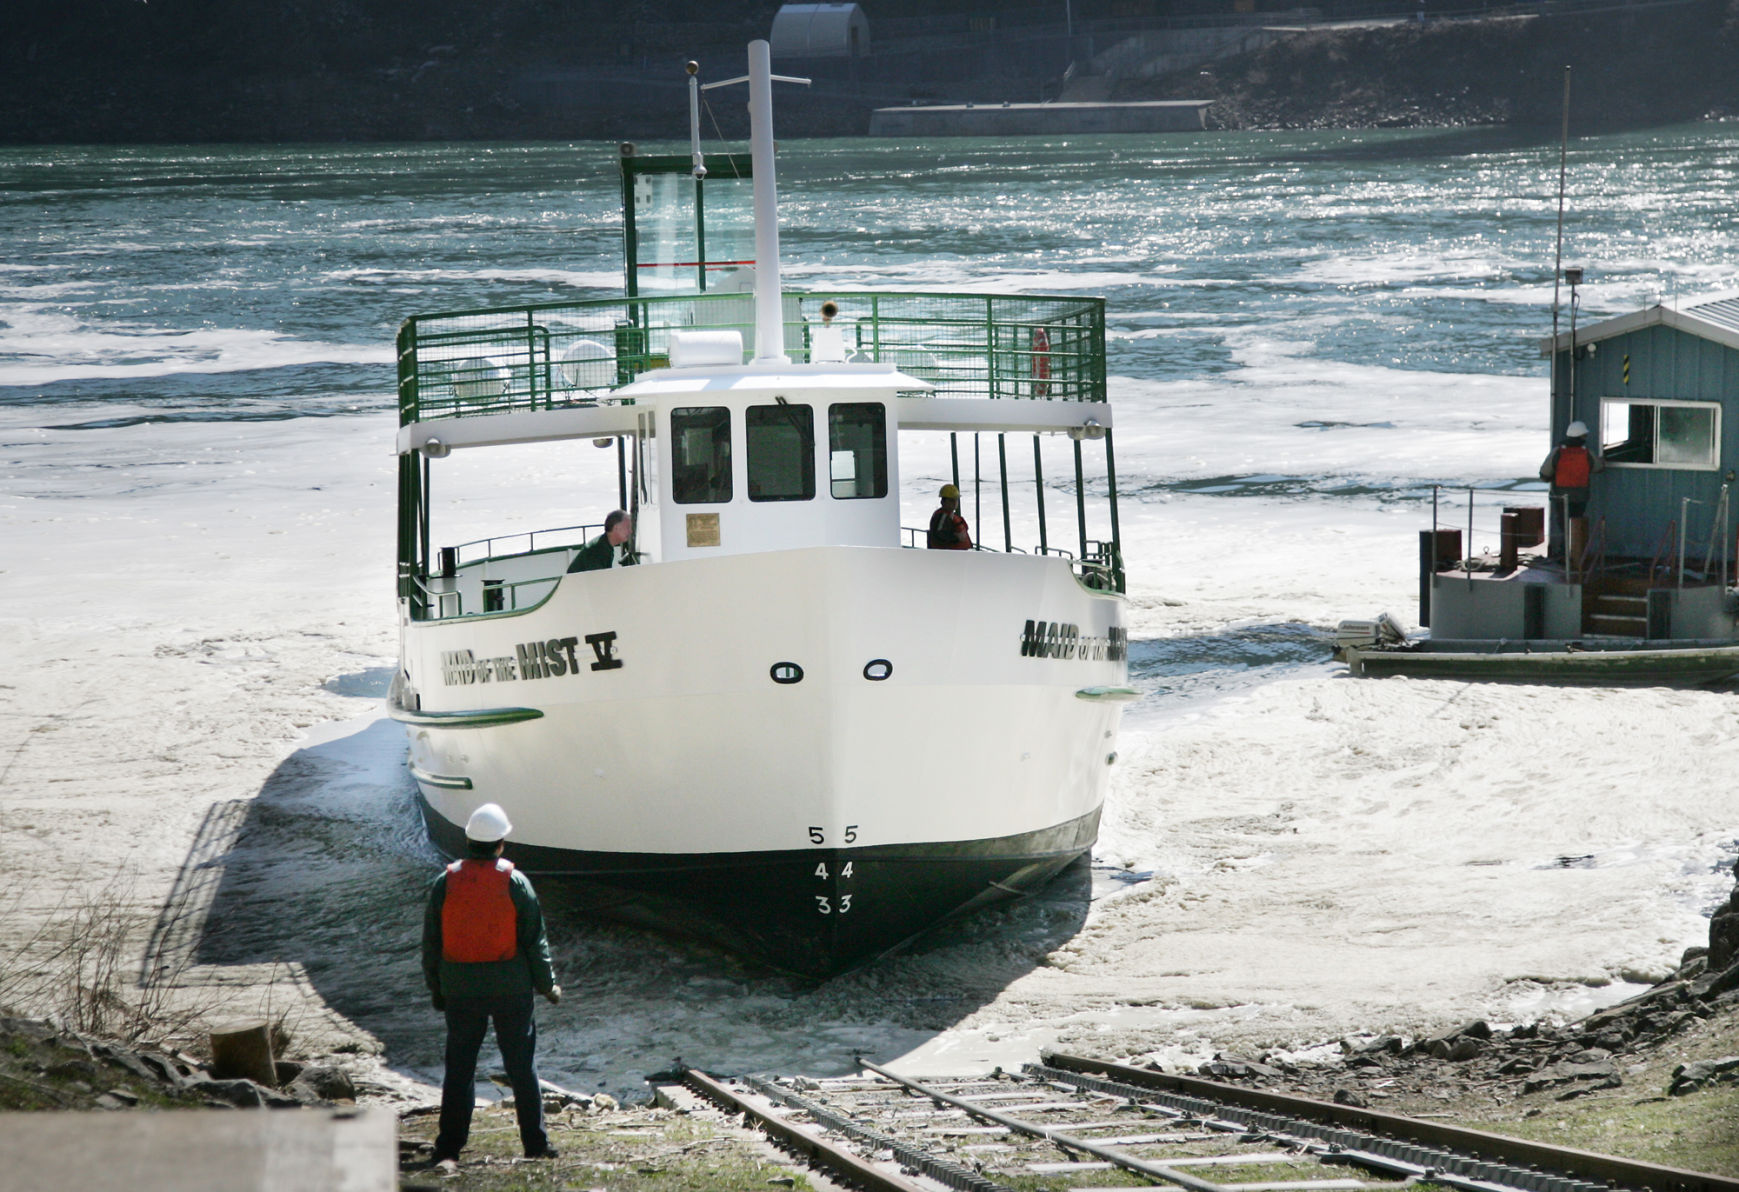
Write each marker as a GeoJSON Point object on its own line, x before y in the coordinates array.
{"type": "Point", "coordinates": [353, 70]}
{"type": "Point", "coordinates": [337, 70]}
{"type": "Point", "coordinates": [1630, 67]}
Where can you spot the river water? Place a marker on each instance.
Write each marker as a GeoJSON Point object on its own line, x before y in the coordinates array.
{"type": "Point", "coordinates": [1307, 331]}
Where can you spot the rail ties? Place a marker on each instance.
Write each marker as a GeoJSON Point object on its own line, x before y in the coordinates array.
{"type": "Point", "coordinates": [1071, 1123]}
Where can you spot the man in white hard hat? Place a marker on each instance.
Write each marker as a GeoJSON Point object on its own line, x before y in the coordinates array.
{"type": "Point", "coordinates": [484, 952]}
{"type": "Point", "coordinates": [1569, 468]}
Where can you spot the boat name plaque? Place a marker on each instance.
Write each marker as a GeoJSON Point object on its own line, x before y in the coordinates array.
{"type": "Point", "coordinates": [549, 659]}
{"type": "Point", "coordinates": [1058, 639]}
{"type": "Point", "coordinates": [703, 529]}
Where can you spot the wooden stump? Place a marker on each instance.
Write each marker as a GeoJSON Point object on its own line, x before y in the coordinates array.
{"type": "Point", "coordinates": [243, 1050]}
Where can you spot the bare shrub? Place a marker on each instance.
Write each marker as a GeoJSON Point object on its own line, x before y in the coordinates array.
{"type": "Point", "coordinates": [285, 1022]}
{"type": "Point", "coordinates": [24, 969]}
{"type": "Point", "coordinates": [80, 964]}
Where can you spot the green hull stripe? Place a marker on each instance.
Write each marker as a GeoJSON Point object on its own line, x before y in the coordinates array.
{"type": "Point", "coordinates": [1112, 694]}
{"type": "Point", "coordinates": [481, 718]}
{"type": "Point", "coordinates": [447, 781]}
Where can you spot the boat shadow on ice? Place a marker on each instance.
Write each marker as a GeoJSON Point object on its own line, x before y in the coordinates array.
{"type": "Point", "coordinates": [321, 876]}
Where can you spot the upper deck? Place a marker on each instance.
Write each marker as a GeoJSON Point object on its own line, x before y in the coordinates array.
{"type": "Point", "coordinates": [515, 360]}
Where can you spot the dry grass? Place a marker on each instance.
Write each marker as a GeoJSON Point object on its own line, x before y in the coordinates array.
{"type": "Point", "coordinates": [80, 966]}
{"type": "Point", "coordinates": [631, 1149]}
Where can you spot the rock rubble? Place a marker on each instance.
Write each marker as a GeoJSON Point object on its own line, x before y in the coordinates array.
{"type": "Point", "coordinates": [1563, 1062]}
{"type": "Point", "coordinates": [45, 1066]}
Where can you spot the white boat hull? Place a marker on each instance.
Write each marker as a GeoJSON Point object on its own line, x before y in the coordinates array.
{"type": "Point", "coordinates": [932, 735]}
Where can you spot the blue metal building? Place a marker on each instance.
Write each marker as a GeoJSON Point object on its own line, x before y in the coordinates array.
{"type": "Point", "coordinates": [1659, 391]}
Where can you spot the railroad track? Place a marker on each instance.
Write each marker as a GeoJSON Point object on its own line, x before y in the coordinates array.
{"type": "Point", "coordinates": [1072, 1124]}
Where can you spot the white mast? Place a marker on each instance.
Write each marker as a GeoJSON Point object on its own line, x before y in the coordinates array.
{"type": "Point", "coordinates": [769, 309]}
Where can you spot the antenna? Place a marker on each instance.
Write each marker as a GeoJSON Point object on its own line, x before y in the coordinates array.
{"type": "Point", "coordinates": [1558, 261]}
{"type": "Point", "coordinates": [693, 69]}
{"type": "Point", "coordinates": [769, 312]}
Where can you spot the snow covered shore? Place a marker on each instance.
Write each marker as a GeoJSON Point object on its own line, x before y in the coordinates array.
{"type": "Point", "coordinates": [198, 624]}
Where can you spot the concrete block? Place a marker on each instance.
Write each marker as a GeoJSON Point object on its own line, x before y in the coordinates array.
{"type": "Point", "coordinates": [289, 1150]}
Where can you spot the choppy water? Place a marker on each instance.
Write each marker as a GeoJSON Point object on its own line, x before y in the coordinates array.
{"type": "Point", "coordinates": [246, 282]}
{"type": "Point", "coordinates": [1286, 302]}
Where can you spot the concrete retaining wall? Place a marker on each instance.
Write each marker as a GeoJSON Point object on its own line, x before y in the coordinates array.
{"type": "Point", "coordinates": [1042, 119]}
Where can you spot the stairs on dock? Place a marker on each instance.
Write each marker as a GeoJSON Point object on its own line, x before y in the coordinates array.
{"type": "Point", "coordinates": [1617, 607]}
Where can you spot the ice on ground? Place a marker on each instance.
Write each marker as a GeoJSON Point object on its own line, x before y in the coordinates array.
{"type": "Point", "coordinates": [198, 618]}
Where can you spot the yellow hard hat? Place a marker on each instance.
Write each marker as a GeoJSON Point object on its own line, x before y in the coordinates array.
{"type": "Point", "coordinates": [948, 490]}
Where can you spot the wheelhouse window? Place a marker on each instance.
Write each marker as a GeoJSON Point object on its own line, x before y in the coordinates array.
{"type": "Point", "coordinates": [781, 440]}
{"type": "Point", "coordinates": [700, 455]}
{"type": "Point", "coordinates": [857, 447]}
{"type": "Point", "coordinates": [1661, 434]}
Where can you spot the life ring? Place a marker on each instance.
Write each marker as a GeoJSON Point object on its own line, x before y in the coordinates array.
{"type": "Point", "coordinates": [1041, 345]}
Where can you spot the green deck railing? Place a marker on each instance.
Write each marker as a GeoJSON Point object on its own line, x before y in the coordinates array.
{"type": "Point", "coordinates": [467, 363]}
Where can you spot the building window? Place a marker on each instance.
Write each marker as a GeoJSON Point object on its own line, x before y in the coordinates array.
{"type": "Point", "coordinates": [700, 455]}
{"type": "Point", "coordinates": [1660, 434]}
{"type": "Point", "coordinates": [857, 449]}
{"type": "Point", "coordinates": [781, 452]}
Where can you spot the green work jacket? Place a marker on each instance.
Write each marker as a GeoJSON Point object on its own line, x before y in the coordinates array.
{"type": "Point", "coordinates": [598, 555]}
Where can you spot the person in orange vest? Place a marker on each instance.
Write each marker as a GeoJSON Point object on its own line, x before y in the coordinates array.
{"type": "Point", "coordinates": [947, 528]}
{"type": "Point", "coordinates": [484, 952]}
{"type": "Point", "coordinates": [1570, 466]}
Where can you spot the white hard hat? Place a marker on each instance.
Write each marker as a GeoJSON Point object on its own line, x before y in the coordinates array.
{"type": "Point", "coordinates": [1576, 430]}
{"type": "Point", "coordinates": [487, 824]}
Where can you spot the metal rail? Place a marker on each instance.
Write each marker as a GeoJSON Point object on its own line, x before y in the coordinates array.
{"type": "Point", "coordinates": [1600, 1171]}
{"type": "Point", "coordinates": [950, 1174]}
{"type": "Point", "coordinates": [1069, 1142]}
{"type": "Point", "coordinates": [1199, 1126]}
{"type": "Point", "coordinates": [806, 1143]}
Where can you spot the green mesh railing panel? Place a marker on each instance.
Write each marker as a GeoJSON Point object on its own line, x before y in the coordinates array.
{"type": "Point", "coordinates": [539, 357]}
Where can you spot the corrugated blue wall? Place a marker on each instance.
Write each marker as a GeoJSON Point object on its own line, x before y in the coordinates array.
{"type": "Point", "coordinates": [1665, 364]}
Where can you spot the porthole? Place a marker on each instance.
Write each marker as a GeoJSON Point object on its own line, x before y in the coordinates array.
{"type": "Point", "coordinates": [877, 669]}
{"type": "Point", "coordinates": [786, 672]}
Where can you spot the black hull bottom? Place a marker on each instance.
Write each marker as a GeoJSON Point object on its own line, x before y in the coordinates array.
{"type": "Point", "coordinates": [813, 912]}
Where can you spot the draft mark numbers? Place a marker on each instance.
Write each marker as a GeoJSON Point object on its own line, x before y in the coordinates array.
{"type": "Point", "coordinates": [824, 903]}
{"type": "Point", "coordinates": [819, 836]}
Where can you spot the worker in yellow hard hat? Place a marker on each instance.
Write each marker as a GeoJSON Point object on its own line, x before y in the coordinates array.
{"type": "Point", "coordinates": [947, 528]}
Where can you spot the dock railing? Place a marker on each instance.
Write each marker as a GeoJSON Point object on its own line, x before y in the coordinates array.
{"type": "Point", "coordinates": [512, 359]}
{"type": "Point", "coordinates": [1468, 509]}
{"type": "Point", "coordinates": [1719, 538]}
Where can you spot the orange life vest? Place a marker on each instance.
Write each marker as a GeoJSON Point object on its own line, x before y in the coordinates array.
{"type": "Point", "coordinates": [478, 920]}
{"type": "Point", "coordinates": [1041, 362]}
{"type": "Point", "coordinates": [948, 531]}
{"type": "Point", "coordinates": [1573, 469]}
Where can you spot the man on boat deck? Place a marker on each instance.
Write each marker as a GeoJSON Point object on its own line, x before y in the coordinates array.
{"type": "Point", "coordinates": [609, 549]}
{"type": "Point", "coordinates": [947, 528]}
{"type": "Point", "coordinates": [484, 951]}
{"type": "Point", "coordinates": [1569, 468]}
